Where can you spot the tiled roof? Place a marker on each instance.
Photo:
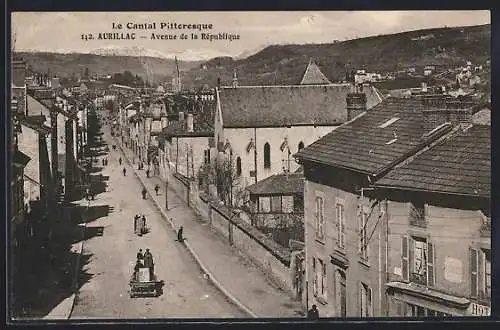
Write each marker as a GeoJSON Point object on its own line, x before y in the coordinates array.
{"type": "Point", "coordinates": [362, 145]}
{"type": "Point", "coordinates": [279, 184]}
{"type": "Point", "coordinates": [203, 125]}
{"type": "Point", "coordinates": [277, 106]}
{"type": "Point", "coordinates": [314, 76]}
{"type": "Point", "coordinates": [459, 165]}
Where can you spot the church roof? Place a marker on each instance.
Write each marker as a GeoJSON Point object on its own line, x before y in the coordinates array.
{"type": "Point", "coordinates": [313, 75]}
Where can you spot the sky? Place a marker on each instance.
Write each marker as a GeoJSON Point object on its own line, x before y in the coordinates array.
{"type": "Point", "coordinates": [61, 31]}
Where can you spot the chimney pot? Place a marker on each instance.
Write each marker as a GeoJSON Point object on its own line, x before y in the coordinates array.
{"type": "Point", "coordinates": [190, 123]}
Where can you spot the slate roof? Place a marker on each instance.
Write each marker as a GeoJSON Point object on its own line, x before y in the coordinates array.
{"type": "Point", "coordinates": [203, 126]}
{"type": "Point", "coordinates": [361, 145]}
{"type": "Point", "coordinates": [459, 165]}
{"type": "Point", "coordinates": [278, 106]}
{"type": "Point", "coordinates": [279, 184]}
{"type": "Point", "coordinates": [314, 76]}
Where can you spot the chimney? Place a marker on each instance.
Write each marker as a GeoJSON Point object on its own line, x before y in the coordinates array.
{"type": "Point", "coordinates": [181, 116]}
{"type": "Point", "coordinates": [190, 127]}
{"type": "Point", "coordinates": [424, 87]}
{"type": "Point", "coordinates": [356, 104]}
{"type": "Point", "coordinates": [440, 110]}
{"type": "Point", "coordinates": [18, 72]}
{"type": "Point", "coordinates": [235, 79]}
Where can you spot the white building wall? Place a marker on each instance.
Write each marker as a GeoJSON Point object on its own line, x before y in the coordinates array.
{"type": "Point", "coordinates": [239, 138]}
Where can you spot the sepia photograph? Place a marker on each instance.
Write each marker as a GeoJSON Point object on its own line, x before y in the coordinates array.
{"type": "Point", "coordinates": [300, 165]}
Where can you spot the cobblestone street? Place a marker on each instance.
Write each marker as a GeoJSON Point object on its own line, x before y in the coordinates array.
{"type": "Point", "coordinates": [112, 257]}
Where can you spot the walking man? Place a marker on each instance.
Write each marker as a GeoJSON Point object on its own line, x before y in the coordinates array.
{"type": "Point", "coordinates": [313, 313]}
{"type": "Point", "coordinates": [144, 192]}
{"type": "Point", "coordinates": [157, 188]}
{"type": "Point", "coordinates": [124, 171]}
{"type": "Point", "coordinates": [140, 255]}
{"type": "Point", "coordinates": [120, 160]}
{"type": "Point", "coordinates": [180, 237]}
{"type": "Point", "coordinates": [147, 173]}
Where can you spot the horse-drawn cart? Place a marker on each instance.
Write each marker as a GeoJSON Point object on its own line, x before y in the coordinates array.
{"type": "Point", "coordinates": [145, 284]}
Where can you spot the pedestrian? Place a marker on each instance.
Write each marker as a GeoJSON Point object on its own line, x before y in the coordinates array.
{"type": "Point", "coordinates": [103, 162]}
{"type": "Point", "coordinates": [313, 313]}
{"type": "Point", "coordinates": [143, 222]}
{"type": "Point", "coordinates": [149, 263]}
{"type": "Point", "coordinates": [124, 171]}
{"type": "Point", "coordinates": [180, 237]}
{"type": "Point", "coordinates": [157, 188]}
{"type": "Point", "coordinates": [147, 173]}
{"type": "Point", "coordinates": [144, 192]}
{"type": "Point", "coordinates": [120, 160]}
{"type": "Point", "coordinates": [140, 255]}
{"type": "Point", "coordinates": [93, 195]}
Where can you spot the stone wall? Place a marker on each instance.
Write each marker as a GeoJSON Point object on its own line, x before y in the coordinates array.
{"type": "Point", "coordinates": [271, 258]}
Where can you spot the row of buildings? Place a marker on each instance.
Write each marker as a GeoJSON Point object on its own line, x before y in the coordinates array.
{"type": "Point", "coordinates": [47, 139]}
{"type": "Point", "coordinates": [384, 187]}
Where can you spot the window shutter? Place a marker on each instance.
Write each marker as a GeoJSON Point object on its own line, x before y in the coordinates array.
{"type": "Point", "coordinates": [411, 255]}
{"type": "Point", "coordinates": [321, 218]}
{"type": "Point", "coordinates": [405, 260]}
{"type": "Point", "coordinates": [360, 231]}
{"type": "Point", "coordinates": [323, 279]}
{"type": "Point", "coordinates": [315, 279]}
{"type": "Point", "coordinates": [369, 303]}
{"type": "Point", "coordinates": [480, 273]}
{"type": "Point", "coordinates": [316, 214]}
{"type": "Point", "coordinates": [430, 264]}
{"type": "Point", "coordinates": [473, 273]}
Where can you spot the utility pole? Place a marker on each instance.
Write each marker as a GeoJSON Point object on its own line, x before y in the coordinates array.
{"type": "Point", "coordinates": [166, 195]}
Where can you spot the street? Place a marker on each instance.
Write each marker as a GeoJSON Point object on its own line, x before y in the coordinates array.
{"type": "Point", "coordinates": [186, 293]}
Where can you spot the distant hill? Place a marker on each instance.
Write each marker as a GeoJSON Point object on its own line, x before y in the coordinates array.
{"type": "Point", "coordinates": [153, 69]}
{"type": "Point", "coordinates": [285, 64]}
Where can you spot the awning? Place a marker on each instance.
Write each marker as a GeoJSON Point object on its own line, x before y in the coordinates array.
{"type": "Point", "coordinates": [20, 159]}
{"type": "Point", "coordinates": [421, 295]}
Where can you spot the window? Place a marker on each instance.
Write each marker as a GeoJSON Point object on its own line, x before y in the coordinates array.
{"type": "Point", "coordinates": [417, 214]}
{"type": "Point", "coordinates": [480, 269]}
{"type": "Point", "coordinates": [265, 204]}
{"type": "Point", "coordinates": [363, 236]}
{"type": "Point", "coordinates": [319, 216]}
{"type": "Point", "coordinates": [267, 155]}
{"type": "Point", "coordinates": [207, 156]}
{"type": "Point", "coordinates": [319, 283]}
{"type": "Point", "coordinates": [238, 166]}
{"type": "Point", "coordinates": [415, 310]}
{"type": "Point", "coordinates": [418, 260]}
{"type": "Point", "coordinates": [341, 293]}
{"type": "Point", "coordinates": [301, 145]}
{"type": "Point", "coordinates": [365, 294]}
{"type": "Point", "coordinates": [276, 204]}
{"type": "Point", "coordinates": [339, 210]}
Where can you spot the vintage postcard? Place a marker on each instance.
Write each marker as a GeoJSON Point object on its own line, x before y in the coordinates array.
{"type": "Point", "coordinates": [301, 165]}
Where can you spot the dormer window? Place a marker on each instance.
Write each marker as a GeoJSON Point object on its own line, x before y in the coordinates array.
{"type": "Point", "coordinates": [389, 122]}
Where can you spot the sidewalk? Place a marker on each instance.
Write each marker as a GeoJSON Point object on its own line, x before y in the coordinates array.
{"type": "Point", "coordinates": [235, 276]}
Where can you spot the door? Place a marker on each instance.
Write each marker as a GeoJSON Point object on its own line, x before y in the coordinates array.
{"type": "Point", "coordinates": [342, 293]}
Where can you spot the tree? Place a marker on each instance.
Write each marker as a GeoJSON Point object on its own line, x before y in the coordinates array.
{"type": "Point", "coordinates": [86, 74]}
{"type": "Point", "coordinates": [222, 173]}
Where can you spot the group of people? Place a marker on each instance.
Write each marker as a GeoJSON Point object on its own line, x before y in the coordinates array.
{"type": "Point", "coordinates": [140, 224]}
{"type": "Point", "coordinates": [144, 260]}
{"type": "Point", "coordinates": [104, 161]}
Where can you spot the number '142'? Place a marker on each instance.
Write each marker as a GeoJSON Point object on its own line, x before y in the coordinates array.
{"type": "Point", "coordinates": [87, 36]}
